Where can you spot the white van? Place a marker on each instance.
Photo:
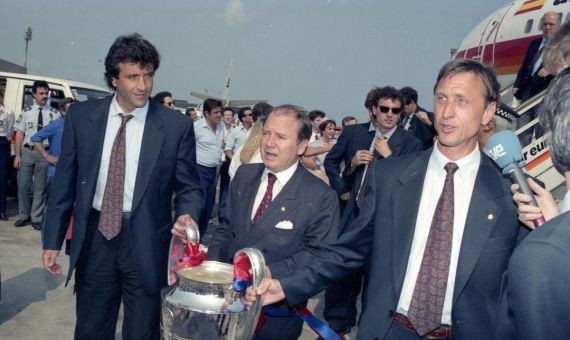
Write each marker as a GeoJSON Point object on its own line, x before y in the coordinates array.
{"type": "Point", "coordinates": [18, 90]}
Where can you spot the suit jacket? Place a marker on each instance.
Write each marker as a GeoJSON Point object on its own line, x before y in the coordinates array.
{"type": "Point", "coordinates": [422, 131]}
{"type": "Point", "coordinates": [166, 164]}
{"type": "Point", "coordinates": [528, 82]}
{"type": "Point", "coordinates": [305, 201]}
{"type": "Point", "coordinates": [384, 230]}
{"type": "Point", "coordinates": [353, 138]}
{"type": "Point", "coordinates": [535, 291]}
{"type": "Point", "coordinates": [401, 143]}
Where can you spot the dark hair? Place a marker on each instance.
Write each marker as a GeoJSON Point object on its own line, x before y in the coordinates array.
{"type": "Point", "coordinates": [227, 108]}
{"type": "Point", "coordinates": [190, 109]}
{"type": "Point", "coordinates": [369, 102]}
{"type": "Point", "coordinates": [346, 120]}
{"type": "Point", "coordinates": [242, 110]}
{"type": "Point", "coordinates": [316, 113]}
{"type": "Point", "coordinates": [131, 48]}
{"type": "Point", "coordinates": [388, 92]}
{"type": "Point", "coordinates": [161, 95]}
{"type": "Point", "coordinates": [555, 116]}
{"type": "Point", "coordinates": [261, 110]}
{"type": "Point", "coordinates": [323, 125]}
{"type": "Point", "coordinates": [64, 102]}
{"type": "Point", "coordinates": [409, 94]}
{"type": "Point", "coordinates": [39, 83]}
{"type": "Point", "coordinates": [484, 73]}
{"type": "Point", "coordinates": [304, 131]}
{"type": "Point", "coordinates": [210, 104]}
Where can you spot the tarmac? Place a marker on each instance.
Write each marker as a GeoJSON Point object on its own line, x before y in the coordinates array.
{"type": "Point", "coordinates": [37, 305]}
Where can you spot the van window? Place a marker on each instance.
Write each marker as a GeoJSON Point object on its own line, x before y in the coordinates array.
{"type": "Point", "coordinates": [56, 96]}
{"type": "Point", "coordinates": [528, 26]}
{"type": "Point", "coordinates": [83, 94]}
{"type": "Point", "coordinates": [3, 85]}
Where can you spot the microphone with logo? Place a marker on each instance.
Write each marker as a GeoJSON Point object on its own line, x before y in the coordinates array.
{"type": "Point", "coordinates": [505, 149]}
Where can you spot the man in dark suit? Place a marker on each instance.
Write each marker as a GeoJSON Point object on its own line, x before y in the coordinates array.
{"type": "Point", "coordinates": [416, 120]}
{"type": "Point", "coordinates": [388, 141]}
{"type": "Point", "coordinates": [297, 220]}
{"type": "Point", "coordinates": [438, 228]}
{"type": "Point", "coordinates": [535, 291]}
{"type": "Point", "coordinates": [122, 158]}
{"type": "Point", "coordinates": [532, 77]}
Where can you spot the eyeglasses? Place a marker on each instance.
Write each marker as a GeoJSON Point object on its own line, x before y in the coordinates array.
{"type": "Point", "coordinates": [385, 109]}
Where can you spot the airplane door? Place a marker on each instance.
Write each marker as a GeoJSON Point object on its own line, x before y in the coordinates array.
{"type": "Point", "coordinates": [489, 36]}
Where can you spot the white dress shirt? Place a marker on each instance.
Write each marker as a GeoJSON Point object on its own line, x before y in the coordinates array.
{"type": "Point", "coordinates": [464, 180]}
{"type": "Point", "coordinates": [133, 140]}
{"type": "Point", "coordinates": [282, 178]}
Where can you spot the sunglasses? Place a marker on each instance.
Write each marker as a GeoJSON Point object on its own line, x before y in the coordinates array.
{"type": "Point", "coordinates": [385, 109]}
{"type": "Point", "coordinates": [170, 103]}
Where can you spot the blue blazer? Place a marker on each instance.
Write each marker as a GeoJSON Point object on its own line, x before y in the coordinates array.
{"type": "Point", "coordinates": [383, 234]}
{"type": "Point", "coordinates": [529, 83]}
{"type": "Point", "coordinates": [166, 165]}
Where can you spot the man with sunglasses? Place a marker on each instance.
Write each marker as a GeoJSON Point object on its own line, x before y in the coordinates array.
{"type": "Point", "coordinates": [388, 140]}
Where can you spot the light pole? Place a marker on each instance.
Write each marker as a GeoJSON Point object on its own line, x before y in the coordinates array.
{"type": "Point", "coordinates": [27, 38]}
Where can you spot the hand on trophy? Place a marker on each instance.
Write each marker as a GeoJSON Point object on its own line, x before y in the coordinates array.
{"type": "Point", "coordinates": [269, 289]}
{"type": "Point", "coordinates": [178, 227]}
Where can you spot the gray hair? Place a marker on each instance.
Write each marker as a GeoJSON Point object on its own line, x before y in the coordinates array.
{"type": "Point", "coordinates": [490, 84]}
{"type": "Point", "coordinates": [304, 132]}
{"type": "Point", "coordinates": [555, 116]}
{"type": "Point", "coordinates": [557, 53]}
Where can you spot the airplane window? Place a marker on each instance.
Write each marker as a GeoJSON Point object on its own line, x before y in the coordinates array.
{"type": "Point", "coordinates": [540, 24]}
{"type": "Point", "coordinates": [528, 26]}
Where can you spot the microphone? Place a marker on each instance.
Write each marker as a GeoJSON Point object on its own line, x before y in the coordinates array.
{"type": "Point", "coordinates": [504, 148]}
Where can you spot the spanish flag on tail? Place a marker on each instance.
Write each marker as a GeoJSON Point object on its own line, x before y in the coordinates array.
{"type": "Point", "coordinates": [530, 5]}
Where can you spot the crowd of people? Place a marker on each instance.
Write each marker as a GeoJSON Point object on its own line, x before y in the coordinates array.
{"type": "Point", "coordinates": [403, 206]}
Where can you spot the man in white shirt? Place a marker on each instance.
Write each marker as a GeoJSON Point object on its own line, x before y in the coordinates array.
{"type": "Point", "coordinates": [436, 229]}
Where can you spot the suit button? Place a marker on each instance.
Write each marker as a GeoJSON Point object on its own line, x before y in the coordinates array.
{"type": "Point", "coordinates": [390, 313]}
{"type": "Point", "coordinates": [234, 235]}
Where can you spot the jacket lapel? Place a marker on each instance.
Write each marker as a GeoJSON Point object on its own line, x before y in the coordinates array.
{"type": "Point", "coordinates": [279, 208]}
{"type": "Point", "coordinates": [404, 215]}
{"type": "Point", "coordinates": [484, 212]}
{"type": "Point", "coordinates": [97, 126]}
{"type": "Point", "coordinates": [151, 145]}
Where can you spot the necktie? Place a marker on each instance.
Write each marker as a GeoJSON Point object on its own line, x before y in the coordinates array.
{"type": "Point", "coordinates": [429, 293]}
{"type": "Point", "coordinates": [112, 205]}
{"type": "Point", "coordinates": [537, 60]}
{"type": "Point", "coordinates": [405, 121]}
{"type": "Point", "coordinates": [40, 124]}
{"type": "Point", "coordinates": [362, 189]}
{"type": "Point", "coordinates": [266, 198]}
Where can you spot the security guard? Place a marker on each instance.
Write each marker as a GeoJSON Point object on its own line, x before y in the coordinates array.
{"type": "Point", "coordinates": [32, 165]}
{"type": "Point", "coordinates": [6, 130]}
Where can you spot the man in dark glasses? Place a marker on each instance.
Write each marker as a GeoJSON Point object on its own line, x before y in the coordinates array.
{"type": "Point", "coordinates": [389, 141]}
{"type": "Point", "coordinates": [165, 98]}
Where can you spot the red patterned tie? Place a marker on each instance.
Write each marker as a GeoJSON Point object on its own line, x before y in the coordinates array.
{"type": "Point", "coordinates": [112, 205]}
{"type": "Point", "coordinates": [429, 293]}
{"type": "Point", "coordinates": [266, 198]}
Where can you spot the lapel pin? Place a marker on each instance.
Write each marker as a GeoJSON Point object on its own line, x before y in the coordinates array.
{"type": "Point", "coordinates": [283, 209]}
{"type": "Point", "coordinates": [490, 217]}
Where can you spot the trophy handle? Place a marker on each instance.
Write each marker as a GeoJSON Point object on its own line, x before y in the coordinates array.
{"type": "Point", "coordinates": [249, 320]}
{"type": "Point", "coordinates": [192, 233]}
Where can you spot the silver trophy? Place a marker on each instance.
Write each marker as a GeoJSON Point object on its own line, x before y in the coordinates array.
{"type": "Point", "coordinates": [202, 303]}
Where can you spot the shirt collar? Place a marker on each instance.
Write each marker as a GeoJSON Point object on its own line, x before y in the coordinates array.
{"type": "Point", "coordinates": [282, 176]}
{"type": "Point", "coordinates": [35, 106]}
{"type": "Point", "coordinates": [139, 113]}
{"type": "Point", "coordinates": [371, 127]}
{"type": "Point", "coordinates": [468, 163]}
{"type": "Point", "coordinates": [387, 134]}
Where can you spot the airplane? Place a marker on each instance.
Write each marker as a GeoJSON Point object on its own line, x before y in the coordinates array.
{"type": "Point", "coordinates": [225, 97]}
{"type": "Point", "coordinates": [501, 41]}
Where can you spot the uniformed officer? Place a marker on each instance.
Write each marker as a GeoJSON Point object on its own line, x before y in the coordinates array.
{"type": "Point", "coordinates": [32, 165]}
{"type": "Point", "coordinates": [6, 130]}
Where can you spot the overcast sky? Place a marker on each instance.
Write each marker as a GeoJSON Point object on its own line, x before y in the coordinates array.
{"type": "Point", "coordinates": [318, 54]}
